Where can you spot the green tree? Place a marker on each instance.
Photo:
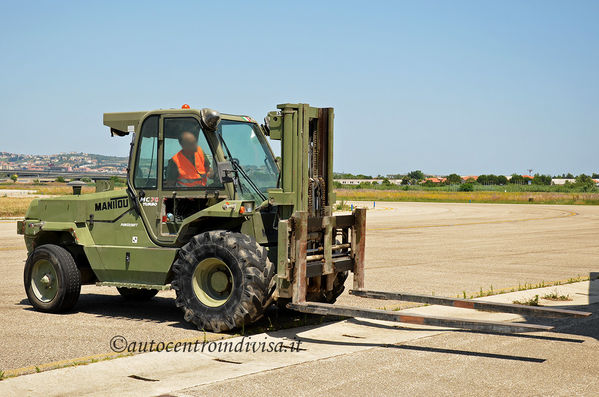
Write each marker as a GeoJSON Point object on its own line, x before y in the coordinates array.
{"type": "Point", "coordinates": [405, 181]}
{"type": "Point", "coordinates": [541, 179]}
{"type": "Point", "coordinates": [60, 179]}
{"type": "Point", "coordinates": [86, 179]}
{"type": "Point", "coordinates": [418, 175]}
{"type": "Point", "coordinates": [117, 181]}
{"type": "Point", "coordinates": [386, 182]}
{"type": "Point", "coordinates": [502, 180]}
{"type": "Point", "coordinates": [14, 178]}
{"type": "Point", "coordinates": [517, 179]}
{"type": "Point", "coordinates": [584, 179]}
{"type": "Point", "coordinates": [585, 182]}
{"type": "Point", "coordinates": [595, 175]}
{"type": "Point", "coordinates": [466, 187]}
{"type": "Point", "coordinates": [454, 179]}
{"type": "Point", "coordinates": [487, 179]}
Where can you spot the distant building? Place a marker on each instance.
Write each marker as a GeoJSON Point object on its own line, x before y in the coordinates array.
{"type": "Point", "coordinates": [371, 181]}
{"type": "Point", "coordinates": [355, 181]}
{"type": "Point", "coordinates": [562, 181]}
{"type": "Point", "coordinates": [435, 180]}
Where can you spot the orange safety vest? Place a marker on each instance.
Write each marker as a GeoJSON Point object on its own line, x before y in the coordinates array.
{"type": "Point", "coordinates": [190, 176]}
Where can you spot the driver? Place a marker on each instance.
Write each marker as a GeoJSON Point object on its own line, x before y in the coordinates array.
{"type": "Point", "coordinates": [189, 167]}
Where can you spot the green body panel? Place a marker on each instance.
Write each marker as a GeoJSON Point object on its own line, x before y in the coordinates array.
{"type": "Point", "coordinates": [144, 265]}
{"type": "Point", "coordinates": [115, 239]}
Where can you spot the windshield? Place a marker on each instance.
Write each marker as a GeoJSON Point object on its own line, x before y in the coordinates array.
{"type": "Point", "coordinates": [249, 148]}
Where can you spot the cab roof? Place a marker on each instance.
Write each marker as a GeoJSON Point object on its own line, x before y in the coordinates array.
{"type": "Point", "coordinates": [123, 123]}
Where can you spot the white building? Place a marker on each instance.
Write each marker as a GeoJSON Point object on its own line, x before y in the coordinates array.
{"type": "Point", "coordinates": [561, 181]}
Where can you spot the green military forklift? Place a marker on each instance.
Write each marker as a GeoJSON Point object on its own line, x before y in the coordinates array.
{"type": "Point", "coordinates": [209, 212]}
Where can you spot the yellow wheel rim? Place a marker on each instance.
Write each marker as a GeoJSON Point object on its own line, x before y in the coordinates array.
{"type": "Point", "coordinates": [212, 282]}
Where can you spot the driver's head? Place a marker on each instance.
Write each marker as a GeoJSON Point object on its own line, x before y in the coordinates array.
{"type": "Point", "coordinates": [189, 142]}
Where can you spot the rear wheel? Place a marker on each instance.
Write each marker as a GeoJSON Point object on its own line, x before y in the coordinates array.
{"type": "Point", "coordinates": [136, 294]}
{"type": "Point", "coordinates": [338, 287]}
{"type": "Point", "coordinates": [52, 279]}
{"type": "Point", "coordinates": [221, 280]}
{"type": "Point", "coordinates": [332, 295]}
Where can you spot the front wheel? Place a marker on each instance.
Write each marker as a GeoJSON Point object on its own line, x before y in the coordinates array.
{"type": "Point", "coordinates": [52, 279]}
{"type": "Point", "coordinates": [222, 280]}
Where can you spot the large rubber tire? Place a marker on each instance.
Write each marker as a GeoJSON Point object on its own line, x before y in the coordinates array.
{"type": "Point", "coordinates": [137, 294]}
{"type": "Point", "coordinates": [52, 279]}
{"type": "Point", "coordinates": [243, 272]}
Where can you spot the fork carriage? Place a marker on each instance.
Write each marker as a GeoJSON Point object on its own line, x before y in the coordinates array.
{"type": "Point", "coordinates": [314, 255]}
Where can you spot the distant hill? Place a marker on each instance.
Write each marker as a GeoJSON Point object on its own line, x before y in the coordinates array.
{"type": "Point", "coordinates": [68, 162]}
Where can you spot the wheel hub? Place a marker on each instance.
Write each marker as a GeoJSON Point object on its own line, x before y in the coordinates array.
{"type": "Point", "coordinates": [212, 282]}
{"type": "Point", "coordinates": [219, 281]}
{"type": "Point", "coordinates": [44, 282]}
{"type": "Point", "coordinates": [47, 280]}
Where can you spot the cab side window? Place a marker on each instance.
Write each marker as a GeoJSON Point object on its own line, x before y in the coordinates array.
{"type": "Point", "coordinates": [146, 161]}
{"type": "Point", "coordinates": [188, 159]}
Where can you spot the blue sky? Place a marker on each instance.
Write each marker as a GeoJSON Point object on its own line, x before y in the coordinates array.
{"type": "Point", "coordinates": [450, 86]}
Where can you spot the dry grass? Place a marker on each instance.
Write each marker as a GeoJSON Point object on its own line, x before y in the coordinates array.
{"type": "Point", "coordinates": [555, 296]}
{"type": "Point", "coordinates": [466, 197]}
{"type": "Point", "coordinates": [14, 206]}
{"type": "Point", "coordinates": [54, 188]}
{"type": "Point", "coordinates": [528, 302]}
{"type": "Point", "coordinates": [17, 206]}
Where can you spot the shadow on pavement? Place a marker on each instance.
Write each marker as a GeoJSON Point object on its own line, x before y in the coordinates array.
{"type": "Point", "coordinates": [163, 310]}
{"type": "Point", "coordinates": [157, 309]}
{"type": "Point", "coordinates": [588, 326]}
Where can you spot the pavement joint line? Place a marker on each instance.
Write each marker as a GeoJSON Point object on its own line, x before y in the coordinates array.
{"type": "Point", "coordinates": [12, 373]}
{"type": "Point", "coordinates": [15, 372]}
{"type": "Point", "coordinates": [566, 215]}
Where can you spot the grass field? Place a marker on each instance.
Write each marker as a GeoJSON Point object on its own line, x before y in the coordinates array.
{"type": "Point", "coordinates": [14, 206]}
{"type": "Point", "coordinates": [17, 206]}
{"type": "Point", "coordinates": [54, 188]}
{"type": "Point", "coordinates": [466, 197]}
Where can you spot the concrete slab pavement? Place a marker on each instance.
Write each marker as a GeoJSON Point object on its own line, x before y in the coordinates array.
{"type": "Point", "coordinates": [186, 373]}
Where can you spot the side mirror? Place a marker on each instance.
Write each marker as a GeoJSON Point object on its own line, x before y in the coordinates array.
{"type": "Point", "coordinates": [210, 119]}
{"type": "Point", "coordinates": [266, 126]}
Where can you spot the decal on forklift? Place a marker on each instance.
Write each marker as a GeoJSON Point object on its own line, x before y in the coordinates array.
{"type": "Point", "coordinates": [113, 203]}
{"type": "Point", "coordinates": [149, 201]}
{"type": "Point", "coordinates": [129, 224]}
{"type": "Point", "coordinates": [134, 239]}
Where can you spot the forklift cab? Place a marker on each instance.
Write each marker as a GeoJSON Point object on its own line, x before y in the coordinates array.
{"type": "Point", "coordinates": [185, 161]}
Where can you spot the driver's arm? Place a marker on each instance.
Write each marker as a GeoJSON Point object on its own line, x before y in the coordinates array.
{"type": "Point", "coordinates": [172, 173]}
{"type": "Point", "coordinates": [207, 167]}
